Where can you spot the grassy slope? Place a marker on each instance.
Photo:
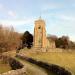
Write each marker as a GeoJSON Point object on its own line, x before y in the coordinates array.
{"type": "Point", "coordinates": [64, 59]}
{"type": "Point", "coordinates": [4, 67]}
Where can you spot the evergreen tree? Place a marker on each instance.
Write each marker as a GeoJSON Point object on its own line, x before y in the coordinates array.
{"type": "Point", "coordinates": [27, 40]}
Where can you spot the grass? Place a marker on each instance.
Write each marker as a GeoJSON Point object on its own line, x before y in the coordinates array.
{"type": "Point", "coordinates": [10, 53]}
{"type": "Point", "coordinates": [32, 69]}
{"type": "Point", "coordinates": [4, 67]}
{"type": "Point", "coordinates": [64, 59]}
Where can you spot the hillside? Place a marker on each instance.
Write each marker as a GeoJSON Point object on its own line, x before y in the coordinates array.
{"type": "Point", "coordinates": [64, 59]}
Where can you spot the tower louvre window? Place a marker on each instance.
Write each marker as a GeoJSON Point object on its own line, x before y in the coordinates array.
{"type": "Point", "coordinates": [39, 27]}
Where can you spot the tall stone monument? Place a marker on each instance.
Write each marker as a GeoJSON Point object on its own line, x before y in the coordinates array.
{"type": "Point", "coordinates": [40, 40]}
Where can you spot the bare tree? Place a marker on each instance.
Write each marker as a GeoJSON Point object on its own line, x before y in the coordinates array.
{"type": "Point", "coordinates": [9, 39]}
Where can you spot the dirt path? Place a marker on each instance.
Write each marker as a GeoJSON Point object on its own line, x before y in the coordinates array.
{"type": "Point", "coordinates": [32, 69]}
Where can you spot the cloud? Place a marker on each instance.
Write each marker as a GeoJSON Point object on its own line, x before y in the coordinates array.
{"type": "Point", "coordinates": [5, 10]}
{"type": "Point", "coordinates": [1, 6]}
{"type": "Point", "coordinates": [11, 13]}
{"type": "Point", "coordinates": [49, 6]}
{"type": "Point", "coordinates": [66, 17]}
{"type": "Point", "coordinates": [16, 22]}
{"type": "Point", "coordinates": [72, 38]}
{"type": "Point", "coordinates": [19, 25]}
{"type": "Point", "coordinates": [61, 16]}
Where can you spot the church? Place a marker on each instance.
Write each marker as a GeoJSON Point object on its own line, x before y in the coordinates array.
{"type": "Point", "coordinates": [40, 37]}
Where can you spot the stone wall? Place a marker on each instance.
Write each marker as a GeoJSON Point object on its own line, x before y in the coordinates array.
{"type": "Point", "coordinates": [16, 72]}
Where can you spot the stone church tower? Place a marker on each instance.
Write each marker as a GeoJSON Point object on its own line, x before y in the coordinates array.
{"type": "Point", "coordinates": [40, 40]}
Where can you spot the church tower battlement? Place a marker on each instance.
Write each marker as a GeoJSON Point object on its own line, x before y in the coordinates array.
{"type": "Point", "coordinates": [40, 40]}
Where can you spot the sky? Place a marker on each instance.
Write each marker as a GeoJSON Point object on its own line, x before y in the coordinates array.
{"type": "Point", "coordinates": [59, 15]}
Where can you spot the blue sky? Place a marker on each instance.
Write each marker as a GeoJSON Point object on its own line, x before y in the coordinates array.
{"type": "Point", "coordinates": [59, 15]}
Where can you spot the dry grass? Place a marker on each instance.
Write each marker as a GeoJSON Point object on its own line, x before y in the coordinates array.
{"type": "Point", "coordinates": [64, 59]}
{"type": "Point", "coordinates": [4, 67]}
{"type": "Point", "coordinates": [32, 69]}
{"type": "Point", "coordinates": [10, 53]}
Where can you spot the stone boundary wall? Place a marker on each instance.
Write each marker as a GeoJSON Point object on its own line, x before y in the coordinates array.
{"type": "Point", "coordinates": [16, 72]}
{"type": "Point", "coordinates": [36, 50]}
{"type": "Point", "coordinates": [55, 69]}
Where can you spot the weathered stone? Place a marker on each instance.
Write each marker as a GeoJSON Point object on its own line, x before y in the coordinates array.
{"type": "Point", "coordinates": [16, 72]}
{"type": "Point", "coordinates": [40, 39]}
